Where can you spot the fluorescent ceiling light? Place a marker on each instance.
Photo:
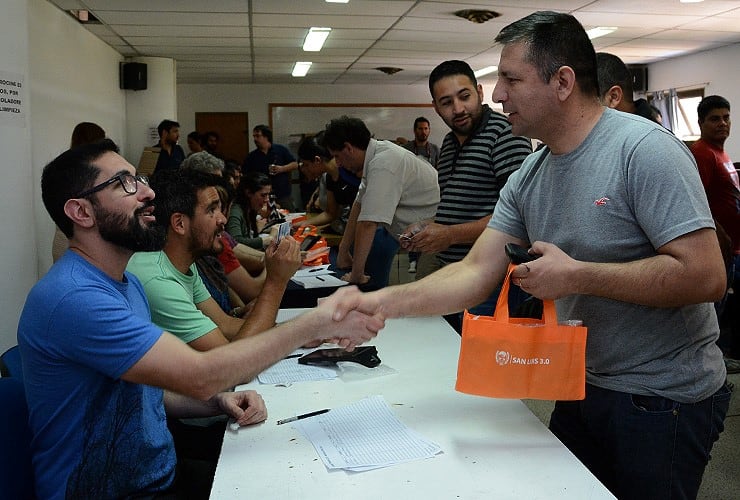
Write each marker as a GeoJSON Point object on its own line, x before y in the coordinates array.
{"type": "Point", "coordinates": [600, 31]}
{"type": "Point", "coordinates": [485, 71]}
{"type": "Point", "coordinates": [301, 68]}
{"type": "Point", "coordinates": [337, 1]}
{"type": "Point", "coordinates": [315, 39]}
{"type": "Point", "coordinates": [682, 1]}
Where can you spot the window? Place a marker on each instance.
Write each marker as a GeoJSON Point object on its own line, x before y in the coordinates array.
{"type": "Point", "coordinates": [687, 122]}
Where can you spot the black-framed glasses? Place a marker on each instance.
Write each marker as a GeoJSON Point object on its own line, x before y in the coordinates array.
{"type": "Point", "coordinates": [129, 183]}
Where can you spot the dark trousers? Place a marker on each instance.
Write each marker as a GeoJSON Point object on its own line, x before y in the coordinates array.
{"type": "Point", "coordinates": [642, 447]}
{"type": "Point", "coordinates": [198, 448]}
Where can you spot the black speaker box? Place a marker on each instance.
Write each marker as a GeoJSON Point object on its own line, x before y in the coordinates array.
{"type": "Point", "coordinates": [133, 76]}
{"type": "Point", "coordinates": [639, 78]}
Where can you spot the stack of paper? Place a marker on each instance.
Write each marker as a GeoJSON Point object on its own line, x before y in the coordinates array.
{"type": "Point", "coordinates": [317, 277]}
{"type": "Point", "coordinates": [364, 435]}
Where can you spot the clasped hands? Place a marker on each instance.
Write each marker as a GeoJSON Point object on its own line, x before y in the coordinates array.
{"type": "Point", "coordinates": [426, 237]}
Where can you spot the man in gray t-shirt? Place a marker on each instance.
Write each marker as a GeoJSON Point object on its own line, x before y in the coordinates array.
{"type": "Point", "coordinates": [615, 212]}
{"type": "Point", "coordinates": [397, 189]}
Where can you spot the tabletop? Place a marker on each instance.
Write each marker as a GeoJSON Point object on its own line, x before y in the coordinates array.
{"type": "Point", "coordinates": [492, 448]}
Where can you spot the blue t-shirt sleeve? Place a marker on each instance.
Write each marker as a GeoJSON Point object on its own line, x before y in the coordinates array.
{"type": "Point", "coordinates": [108, 338]}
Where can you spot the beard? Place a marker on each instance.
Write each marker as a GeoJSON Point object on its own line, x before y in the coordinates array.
{"type": "Point", "coordinates": [201, 248]}
{"type": "Point", "coordinates": [128, 232]}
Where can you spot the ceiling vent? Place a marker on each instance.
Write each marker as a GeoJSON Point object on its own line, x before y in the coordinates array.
{"type": "Point", "coordinates": [389, 70]}
{"type": "Point", "coordinates": [478, 16]}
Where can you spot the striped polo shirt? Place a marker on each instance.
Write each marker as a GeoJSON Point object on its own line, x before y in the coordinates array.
{"type": "Point", "coordinates": [472, 174]}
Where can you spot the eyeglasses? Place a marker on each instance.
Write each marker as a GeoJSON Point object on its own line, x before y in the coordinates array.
{"type": "Point", "coordinates": [129, 183]}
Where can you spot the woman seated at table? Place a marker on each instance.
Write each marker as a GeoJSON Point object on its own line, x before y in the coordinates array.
{"type": "Point", "coordinates": [249, 212]}
{"type": "Point", "coordinates": [314, 161]}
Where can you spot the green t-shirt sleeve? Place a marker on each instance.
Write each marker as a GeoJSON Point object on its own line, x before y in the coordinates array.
{"type": "Point", "coordinates": [173, 309]}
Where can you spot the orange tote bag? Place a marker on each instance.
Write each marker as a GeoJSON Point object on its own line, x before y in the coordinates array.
{"type": "Point", "coordinates": [521, 358]}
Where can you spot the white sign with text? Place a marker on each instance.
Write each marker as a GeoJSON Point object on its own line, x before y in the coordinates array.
{"type": "Point", "coordinates": [12, 99]}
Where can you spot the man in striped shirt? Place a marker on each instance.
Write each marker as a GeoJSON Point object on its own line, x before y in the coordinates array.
{"type": "Point", "coordinates": [476, 159]}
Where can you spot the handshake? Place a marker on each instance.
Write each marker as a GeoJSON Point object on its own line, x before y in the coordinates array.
{"type": "Point", "coordinates": [349, 317]}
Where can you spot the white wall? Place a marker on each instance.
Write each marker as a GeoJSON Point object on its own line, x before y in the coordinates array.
{"type": "Point", "coordinates": [73, 78]}
{"type": "Point", "coordinates": [18, 243]}
{"type": "Point", "coordinates": [720, 68]}
{"type": "Point", "coordinates": [147, 108]}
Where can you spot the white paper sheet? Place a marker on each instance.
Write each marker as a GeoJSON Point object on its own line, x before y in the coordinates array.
{"type": "Point", "coordinates": [364, 435]}
{"type": "Point", "coordinates": [308, 271]}
{"type": "Point", "coordinates": [287, 371]}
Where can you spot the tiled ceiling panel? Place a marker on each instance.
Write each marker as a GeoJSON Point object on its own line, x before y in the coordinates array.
{"type": "Point", "coordinates": [257, 41]}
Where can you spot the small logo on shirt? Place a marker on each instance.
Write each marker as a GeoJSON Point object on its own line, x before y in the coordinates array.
{"type": "Point", "coordinates": [601, 201]}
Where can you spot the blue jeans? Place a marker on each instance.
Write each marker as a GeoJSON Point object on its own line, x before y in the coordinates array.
{"type": "Point", "coordinates": [642, 446]}
{"type": "Point", "coordinates": [379, 260]}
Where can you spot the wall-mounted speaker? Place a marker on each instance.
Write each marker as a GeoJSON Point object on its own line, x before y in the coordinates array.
{"type": "Point", "coordinates": [639, 78]}
{"type": "Point", "coordinates": [132, 76]}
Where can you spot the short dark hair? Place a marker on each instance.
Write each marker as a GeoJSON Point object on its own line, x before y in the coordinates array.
{"type": "Point", "coordinates": [85, 133]}
{"type": "Point", "coordinates": [264, 130]}
{"type": "Point", "coordinates": [166, 125]}
{"type": "Point", "coordinates": [177, 192]}
{"type": "Point", "coordinates": [421, 119]}
{"type": "Point", "coordinates": [254, 181]}
{"type": "Point", "coordinates": [554, 40]}
{"type": "Point", "coordinates": [450, 68]}
{"type": "Point", "coordinates": [346, 129]}
{"type": "Point", "coordinates": [312, 146]}
{"type": "Point", "coordinates": [612, 71]}
{"type": "Point", "coordinates": [69, 174]}
{"type": "Point", "coordinates": [709, 103]}
{"type": "Point", "coordinates": [211, 133]}
{"type": "Point", "coordinates": [195, 136]}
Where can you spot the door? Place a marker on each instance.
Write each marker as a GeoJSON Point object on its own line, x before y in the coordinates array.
{"type": "Point", "coordinates": [233, 130]}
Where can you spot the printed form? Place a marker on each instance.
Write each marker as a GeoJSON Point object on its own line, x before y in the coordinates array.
{"type": "Point", "coordinates": [363, 436]}
{"type": "Point", "coordinates": [287, 371]}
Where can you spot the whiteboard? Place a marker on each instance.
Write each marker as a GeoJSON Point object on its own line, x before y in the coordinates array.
{"type": "Point", "coordinates": [291, 122]}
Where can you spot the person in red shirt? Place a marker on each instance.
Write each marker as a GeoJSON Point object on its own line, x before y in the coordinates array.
{"type": "Point", "coordinates": [721, 183]}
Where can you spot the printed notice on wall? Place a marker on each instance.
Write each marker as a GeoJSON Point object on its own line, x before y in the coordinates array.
{"type": "Point", "coordinates": [13, 101]}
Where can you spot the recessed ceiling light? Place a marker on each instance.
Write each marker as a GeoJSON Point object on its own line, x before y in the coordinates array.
{"type": "Point", "coordinates": [301, 68]}
{"type": "Point", "coordinates": [315, 39]}
{"type": "Point", "coordinates": [485, 71]}
{"type": "Point", "coordinates": [600, 31]}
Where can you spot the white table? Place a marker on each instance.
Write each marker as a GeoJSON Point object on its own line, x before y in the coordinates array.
{"type": "Point", "coordinates": [492, 448]}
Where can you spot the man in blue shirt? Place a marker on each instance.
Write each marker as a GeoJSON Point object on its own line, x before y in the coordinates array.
{"type": "Point", "coordinates": [171, 154]}
{"type": "Point", "coordinates": [100, 377]}
{"type": "Point", "coordinates": [274, 160]}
